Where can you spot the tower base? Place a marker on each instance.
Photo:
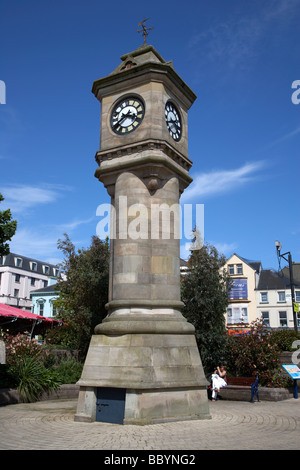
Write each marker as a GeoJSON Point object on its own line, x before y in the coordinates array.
{"type": "Point", "coordinates": [142, 378]}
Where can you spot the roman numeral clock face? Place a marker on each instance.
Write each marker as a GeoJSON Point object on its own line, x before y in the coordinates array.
{"type": "Point", "coordinates": [127, 115]}
{"type": "Point", "coordinates": [173, 121]}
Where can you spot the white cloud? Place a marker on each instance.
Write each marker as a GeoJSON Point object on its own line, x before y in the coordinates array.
{"type": "Point", "coordinates": [220, 181]}
{"type": "Point", "coordinates": [69, 226]}
{"type": "Point", "coordinates": [236, 39]}
{"type": "Point", "coordinates": [285, 137]}
{"type": "Point", "coordinates": [225, 248]}
{"type": "Point", "coordinates": [30, 243]}
{"type": "Point", "coordinates": [20, 198]}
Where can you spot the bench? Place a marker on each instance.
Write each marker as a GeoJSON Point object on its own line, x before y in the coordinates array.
{"type": "Point", "coordinates": [235, 382]}
{"type": "Point", "coordinates": [240, 388]}
{"type": "Point", "coordinates": [244, 384]}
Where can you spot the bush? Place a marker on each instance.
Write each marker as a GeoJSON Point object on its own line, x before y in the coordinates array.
{"type": "Point", "coordinates": [255, 353]}
{"type": "Point", "coordinates": [69, 371]}
{"type": "Point", "coordinates": [33, 379]}
{"type": "Point", "coordinates": [25, 368]}
{"type": "Point", "coordinates": [284, 339]}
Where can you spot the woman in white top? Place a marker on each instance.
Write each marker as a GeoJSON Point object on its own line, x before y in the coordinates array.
{"type": "Point", "coordinates": [218, 381]}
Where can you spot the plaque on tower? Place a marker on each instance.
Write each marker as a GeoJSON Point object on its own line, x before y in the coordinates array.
{"type": "Point", "coordinates": [143, 365]}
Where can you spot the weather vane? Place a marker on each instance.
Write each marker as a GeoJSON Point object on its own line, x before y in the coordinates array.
{"type": "Point", "coordinates": [144, 30]}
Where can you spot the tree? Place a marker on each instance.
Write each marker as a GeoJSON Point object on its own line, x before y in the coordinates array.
{"type": "Point", "coordinates": [8, 228]}
{"type": "Point", "coordinates": [84, 291]}
{"type": "Point", "coordinates": [205, 289]}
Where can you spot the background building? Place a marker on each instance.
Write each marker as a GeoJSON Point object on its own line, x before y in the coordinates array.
{"type": "Point", "coordinates": [242, 297]}
{"type": "Point", "coordinates": [274, 299]}
{"type": "Point", "coordinates": [259, 293]}
{"type": "Point", "coordinates": [43, 300]}
{"type": "Point", "coordinates": [20, 275]}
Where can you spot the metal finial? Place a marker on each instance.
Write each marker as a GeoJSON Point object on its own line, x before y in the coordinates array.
{"type": "Point", "coordinates": [144, 30]}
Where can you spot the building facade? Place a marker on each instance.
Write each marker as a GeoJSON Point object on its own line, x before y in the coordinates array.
{"type": "Point", "coordinates": [242, 297]}
{"type": "Point", "coordinates": [20, 275]}
{"type": "Point", "coordinates": [259, 294]}
{"type": "Point", "coordinates": [43, 300]}
{"type": "Point", "coordinates": [274, 300]}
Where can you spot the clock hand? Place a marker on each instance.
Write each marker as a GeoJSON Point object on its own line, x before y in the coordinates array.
{"type": "Point", "coordinates": [123, 117]}
{"type": "Point", "coordinates": [174, 123]}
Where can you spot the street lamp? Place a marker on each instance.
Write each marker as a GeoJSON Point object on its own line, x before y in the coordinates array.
{"type": "Point", "coordinates": [289, 260]}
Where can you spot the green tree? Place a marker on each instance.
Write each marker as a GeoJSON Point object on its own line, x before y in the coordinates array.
{"type": "Point", "coordinates": [83, 293]}
{"type": "Point", "coordinates": [8, 228]}
{"type": "Point", "coordinates": [205, 289]}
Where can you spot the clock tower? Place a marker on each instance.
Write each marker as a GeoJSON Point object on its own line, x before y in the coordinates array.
{"type": "Point", "coordinates": [143, 364]}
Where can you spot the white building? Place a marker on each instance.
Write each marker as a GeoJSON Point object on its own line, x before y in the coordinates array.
{"type": "Point", "coordinates": [242, 299]}
{"type": "Point", "coordinates": [274, 300]}
{"type": "Point", "coordinates": [260, 293]}
{"type": "Point", "coordinates": [20, 275]}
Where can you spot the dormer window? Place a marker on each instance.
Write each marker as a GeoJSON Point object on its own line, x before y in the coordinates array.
{"type": "Point", "coordinates": [56, 272]}
{"type": "Point", "coordinates": [18, 262]}
{"type": "Point", "coordinates": [46, 269]}
{"type": "Point", "coordinates": [33, 266]}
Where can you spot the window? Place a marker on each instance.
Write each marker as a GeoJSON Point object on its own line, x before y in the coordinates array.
{"type": "Point", "coordinates": [282, 319]}
{"type": "Point", "coordinates": [18, 262]}
{"type": "Point", "coordinates": [231, 268]}
{"type": "Point", "coordinates": [281, 296]}
{"type": "Point", "coordinates": [53, 307]}
{"type": "Point", "coordinates": [17, 277]}
{"type": "Point", "coordinates": [244, 312]}
{"type": "Point", "coordinates": [45, 283]}
{"type": "Point", "coordinates": [56, 272]}
{"type": "Point", "coordinates": [297, 296]}
{"type": "Point", "coordinates": [264, 297]}
{"type": "Point", "coordinates": [265, 318]}
{"type": "Point", "coordinates": [239, 269]}
{"type": "Point", "coordinates": [33, 266]}
{"type": "Point", "coordinates": [16, 292]}
{"type": "Point", "coordinates": [41, 308]}
{"type": "Point", "coordinates": [46, 269]}
{"type": "Point", "coordinates": [229, 315]}
{"type": "Point", "coordinates": [32, 281]}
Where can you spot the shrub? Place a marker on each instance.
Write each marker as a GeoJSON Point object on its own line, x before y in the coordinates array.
{"type": "Point", "coordinates": [69, 371]}
{"type": "Point", "coordinates": [253, 353]}
{"type": "Point", "coordinates": [33, 379]}
{"type": "Point", "coordinates": [284, 339]}
{"type": "Point", "coordinates": [26, 367]}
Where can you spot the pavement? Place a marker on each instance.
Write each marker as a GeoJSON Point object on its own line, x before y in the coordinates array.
{"type": "Point", "coordinates": [234, 425]}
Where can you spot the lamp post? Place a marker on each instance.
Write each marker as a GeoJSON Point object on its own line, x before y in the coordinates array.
{"type": "Point", "coordinates": [289, 260]}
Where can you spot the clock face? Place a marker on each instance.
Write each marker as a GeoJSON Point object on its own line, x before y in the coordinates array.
{"type": "Point", "coordinates": [173, 121]}
{"type": "Point", "coordinates": [127, 115]}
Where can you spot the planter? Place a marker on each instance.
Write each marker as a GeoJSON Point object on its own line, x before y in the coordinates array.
{"type": "Point", "coordinates": [9, 396]}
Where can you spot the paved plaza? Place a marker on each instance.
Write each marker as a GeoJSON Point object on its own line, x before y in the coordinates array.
{"type": "Point", "coordinates": [50, 425]}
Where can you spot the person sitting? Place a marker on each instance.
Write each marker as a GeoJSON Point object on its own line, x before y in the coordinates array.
{"type": "Point", "coordinates": [218, 381]}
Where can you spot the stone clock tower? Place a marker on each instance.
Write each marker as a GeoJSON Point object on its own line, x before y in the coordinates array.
{"type": "Point", "coordinates": [143, 364]}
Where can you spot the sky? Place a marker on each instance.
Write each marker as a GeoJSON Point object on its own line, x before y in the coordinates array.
{"type": "Point", "coordinates": [240, 57]}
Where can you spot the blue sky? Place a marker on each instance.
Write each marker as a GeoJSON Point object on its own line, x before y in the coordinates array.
{"type": "Point", "coordinates": [240, 57]}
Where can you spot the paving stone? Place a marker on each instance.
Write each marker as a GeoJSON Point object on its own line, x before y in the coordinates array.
{"type": "Point", "coordinates": [50, 425]}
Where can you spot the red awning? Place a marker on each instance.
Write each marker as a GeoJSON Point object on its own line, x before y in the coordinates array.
{"type": "Point", "coordinates": [17, 320]}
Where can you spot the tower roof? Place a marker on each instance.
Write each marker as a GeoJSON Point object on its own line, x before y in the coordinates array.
{"type": "Point", "coordinates": [135, 64]}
